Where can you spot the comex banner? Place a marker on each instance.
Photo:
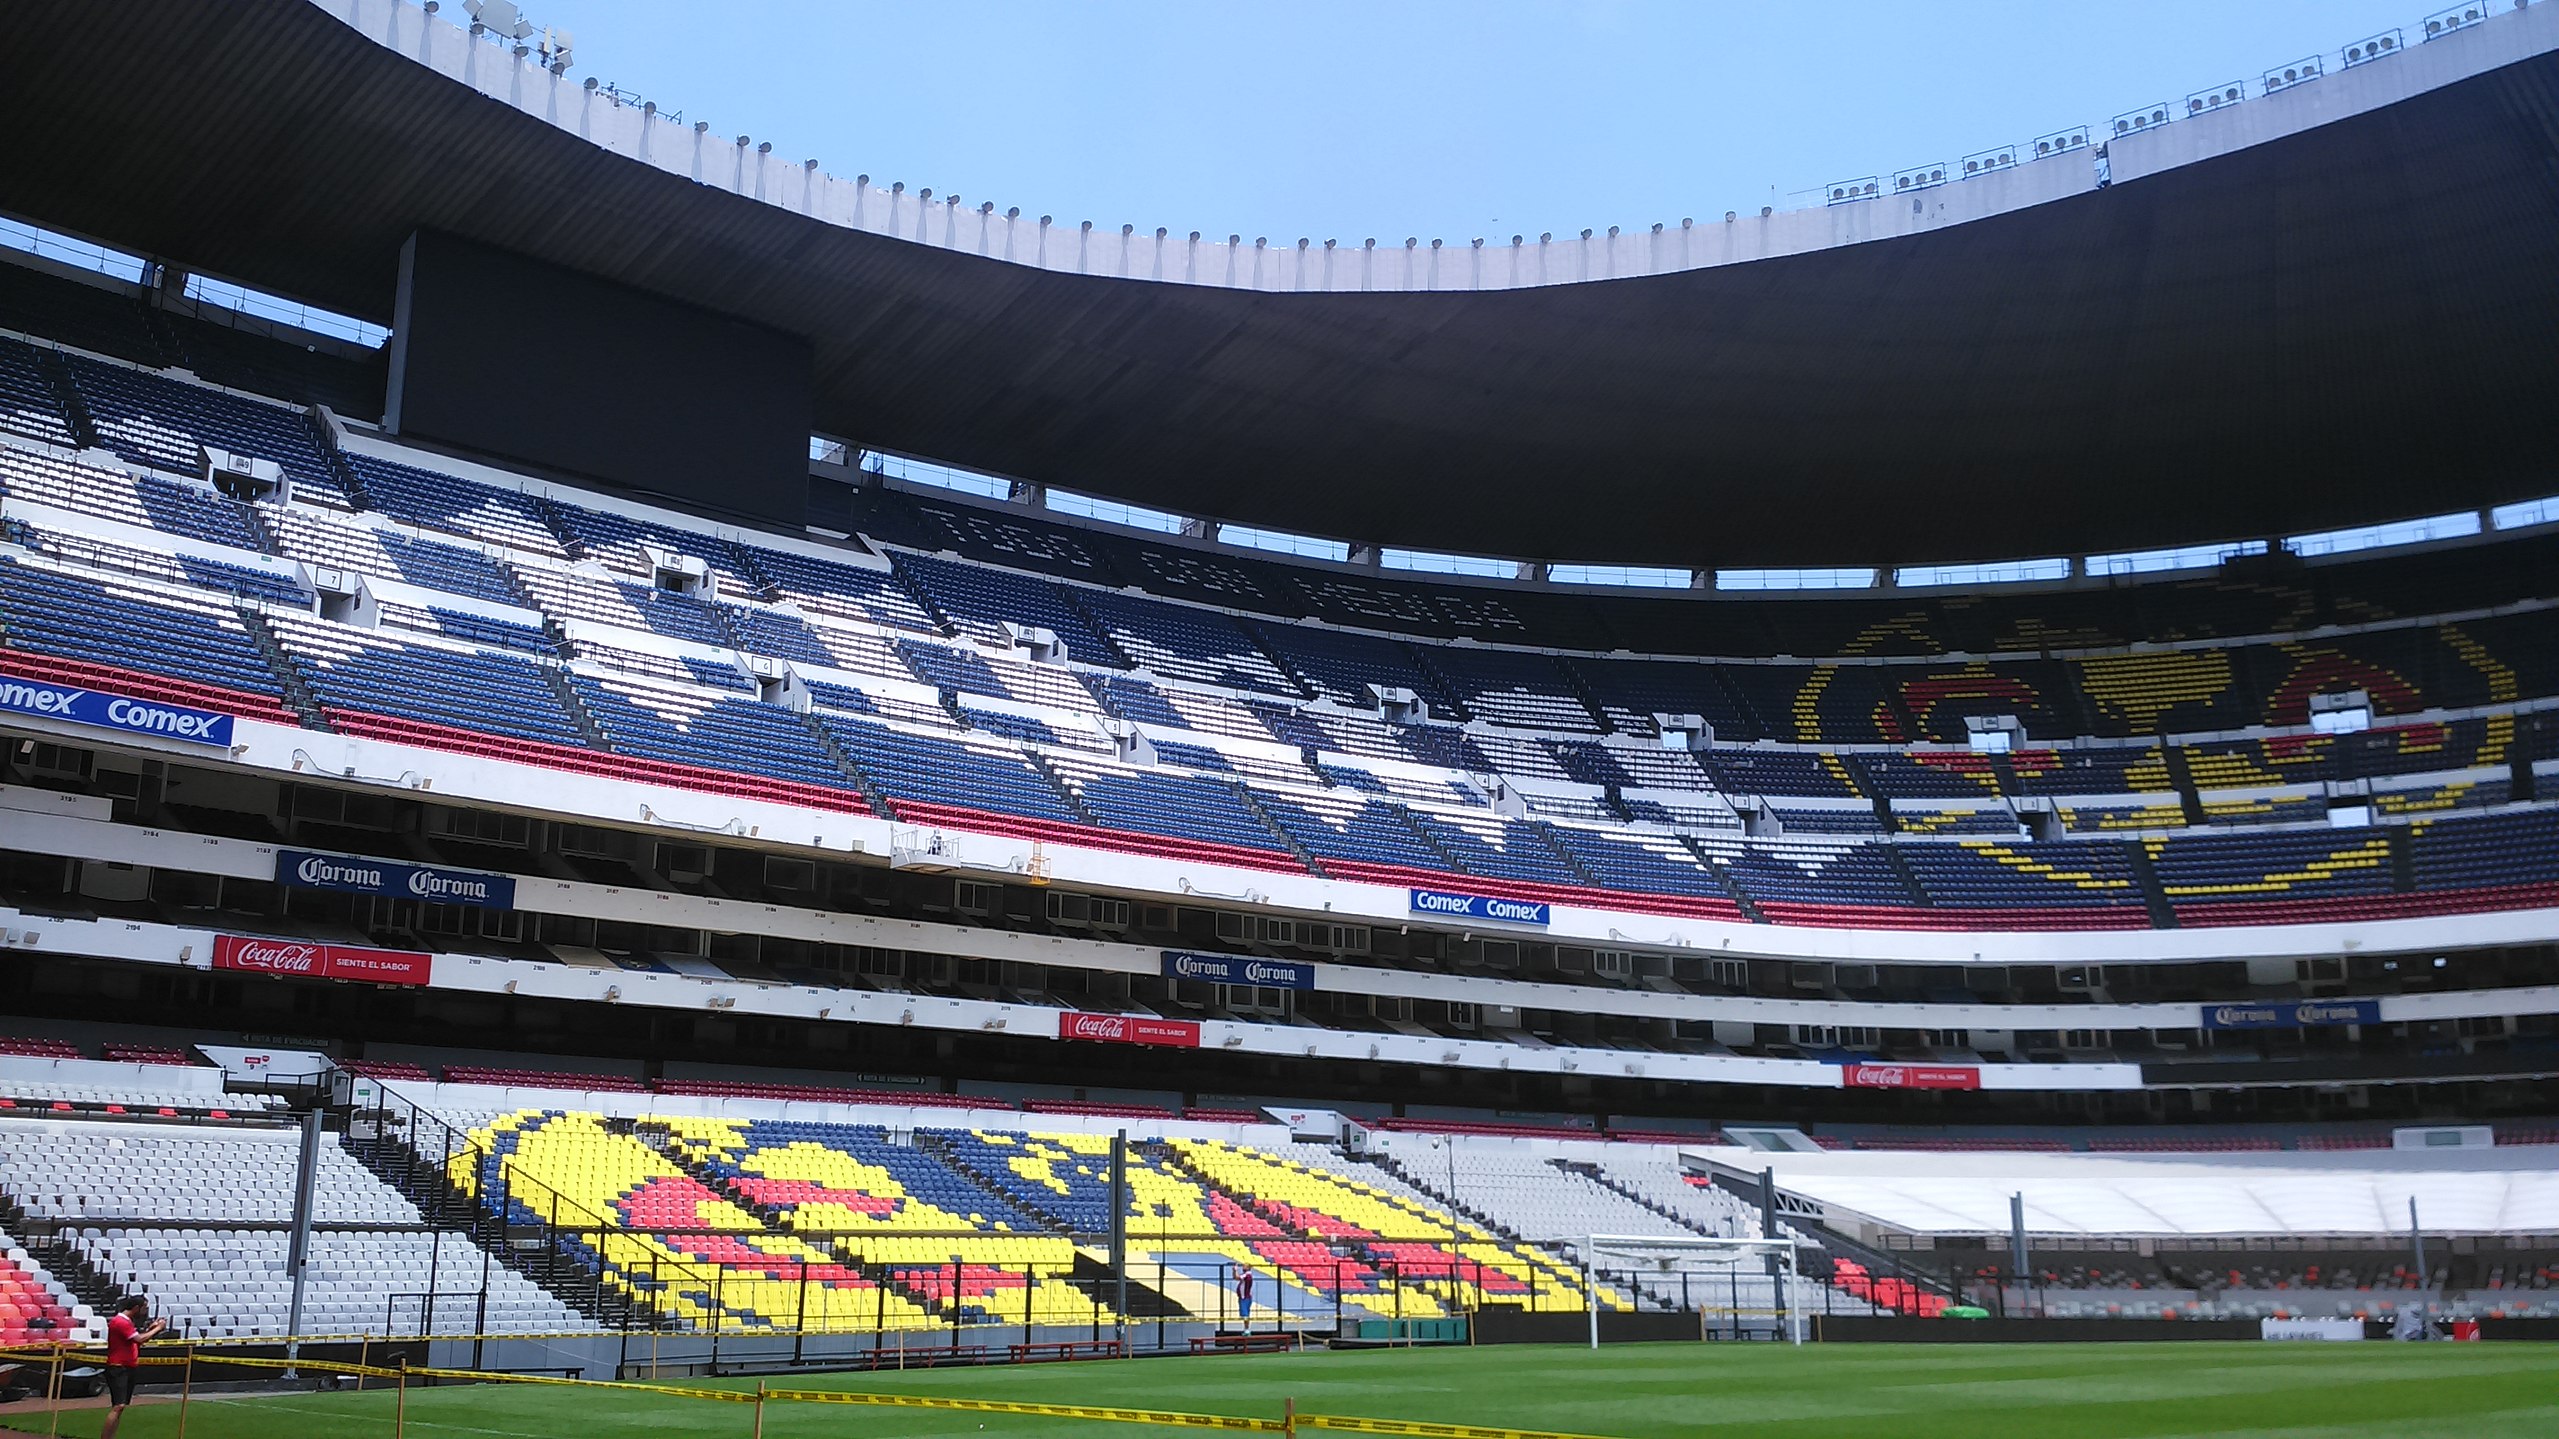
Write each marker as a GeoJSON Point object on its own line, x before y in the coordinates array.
{"type": "Point", "coordinates": [2290, 1014]}
{"type": "Point", "coordinates": [1236, 969]}
{"type": "Point", "coordinates": [117, 712]}
{"type": "Point", "coordinates": [1443, 905]}
{"type": "Point", "coordinates": [357, 875]}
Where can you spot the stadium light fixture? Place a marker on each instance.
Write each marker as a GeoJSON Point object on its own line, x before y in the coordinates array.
{"type": "Point", "coordinates": [500, 16]}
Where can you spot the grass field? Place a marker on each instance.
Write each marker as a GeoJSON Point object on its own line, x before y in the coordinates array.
{"type": "Point", "coordinates": [2044, 1391]}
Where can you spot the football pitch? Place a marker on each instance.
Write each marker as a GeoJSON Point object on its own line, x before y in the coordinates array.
{"type": "Point", "coordinates": [2054, 1391]}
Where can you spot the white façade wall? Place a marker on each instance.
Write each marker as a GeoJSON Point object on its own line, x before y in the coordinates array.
{"type": "Point", "coordinates": [675, 814]}
{"type": "Point", "coordinates": [80, 836]}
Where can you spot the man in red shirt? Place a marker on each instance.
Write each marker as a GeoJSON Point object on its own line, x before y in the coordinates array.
{"type": "Point", "coordinates": [125, 1336]}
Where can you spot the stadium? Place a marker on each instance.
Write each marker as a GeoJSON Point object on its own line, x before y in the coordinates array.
{"type": "Point", "coordinates": [645, 786]}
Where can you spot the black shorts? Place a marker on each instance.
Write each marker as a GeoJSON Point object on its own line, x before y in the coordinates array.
{"type": "Point", "coordinates": [120, 1385]}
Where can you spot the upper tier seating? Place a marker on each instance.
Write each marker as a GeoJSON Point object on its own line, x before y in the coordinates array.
{"type": "Point", "coordinates": [928, 705]}
{"type": "Point", "coordinates": [981, 602]}
{"type": "Point", "coordinates": [237, 581]}
{"type": "Point", "coordinates": [436, 501]}
{"type": "Point", "coordinates": [839, 588]}
{"type": "Point", "coordinates": [1182, 642]}
{"type": "Point", "coordinates": [1339, 826]}
{"type": "Point", "coordinates": [689, 727]}
{"type": "Point", "coordinates": [964, 773]}
{"type": "Point", "coordinates": [27, 403]}
{"type": "Point", "coordinates": [387, 554]}
{"type": "Point", "coordinates": [1986, 873]}
{"type": "Point", "coordinates": [1179, 806]}
{"type": "Point", "coordinates": [359, 677]}
{"type": "Point", "coordinates": [1631, 692]}
{"type": "Point", "coordinates": [156, 420]}
{"type": "Point", "coordinates": [542, 1079]}
{"type": "Point", "coordinates": [173, 507]}
{"type": "Point", "coordinates": [1512, 687]}
{"type": "Point", "coordinates": [623, 543]}
{"type": "Point", "coordinates": [2312, 865]}
{"type": "Point", "coordinates": [568, 595]}
{"type": "Point", "coordinates": [1348, 668]}
{"type": "Point", "coordinates": [1781, 772]}
{"type": "Point", "coordinates": [40, 1048]}
{"type": "Point", "coordinates": [2122, 769]}
{"type": "Point", "coordinates": [470, 627]}
{"type": "Point", "coordinates": [200, 643]}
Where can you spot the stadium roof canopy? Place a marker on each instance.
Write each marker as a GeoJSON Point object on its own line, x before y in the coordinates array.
{"type": "Point", "coordinates": [2329, 305]}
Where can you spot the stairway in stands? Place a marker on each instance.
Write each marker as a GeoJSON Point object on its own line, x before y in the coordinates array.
{"type": "Point", "coordinates": [661, 1138]}
{"type": "Point", "coordinates": [297, 692]}
{"type": "Point", "coordinates": [1090, 1277]}
{"type": "Point", "coordinates": [393, 1155]}
{"type": "Point", "coordinates": [1439, 1194]}
{"type": "Point", "coordinates": [2163, 914]}
{"type": "Point", "coordinates": [1599, 1176]}
{"type": "Point", "coordinates": [833, 749]}
{"type": "Point", "coordinates": [567, 694]}
{"type": "Point", "coordinates": [67, 397]}
{"type": "Point", "coordinates": [70, 1268]}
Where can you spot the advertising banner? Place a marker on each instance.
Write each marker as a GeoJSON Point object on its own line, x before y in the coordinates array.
{"type": "Point", "coordinates": [48, 700]}
{"type": "Point", "coordinates": [1238, 969]}
{"type": "Point", "coordinates": [358, 875]}
{"type": "Point", "coordinates": [1129, 1029]}
{"type": "Point", "coordinates": [1910, 1076]}
{"type": "Point", "coordinates": [2292, 1014]}
{"type": "Point", "coordinates": [1440, 904]}
{"type": "Point", "coordinates": [2317, 1329]}
{"type": "Point", "coordinates": [306, 959]}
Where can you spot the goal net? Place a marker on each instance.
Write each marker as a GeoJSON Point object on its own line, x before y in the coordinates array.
{"type": "Point", "coordinates": [1737, 1288]}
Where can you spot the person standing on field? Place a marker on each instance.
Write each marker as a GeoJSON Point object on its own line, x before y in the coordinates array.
{"type": "Point", "coordinates": [126, 1335]}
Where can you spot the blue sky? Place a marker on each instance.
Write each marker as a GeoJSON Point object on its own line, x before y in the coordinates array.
{"type": "Point", "coordinates": [1433, 118]}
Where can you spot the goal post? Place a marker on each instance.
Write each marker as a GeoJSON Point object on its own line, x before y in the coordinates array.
{"type": "Point", "coordinates": [1664, 1256]}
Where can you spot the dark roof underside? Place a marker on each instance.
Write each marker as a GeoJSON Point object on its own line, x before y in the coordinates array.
{"type": "Point", "coordinates": [2353, 324]}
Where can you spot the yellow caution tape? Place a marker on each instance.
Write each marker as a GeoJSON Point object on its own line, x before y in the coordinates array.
{"type": "Point", "coordinates": [1419, 1429]}
{"type": "Point", "coordinates": [1166, 1417]}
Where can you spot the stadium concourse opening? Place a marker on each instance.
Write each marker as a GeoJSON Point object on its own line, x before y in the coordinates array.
{"type": "Point", "coordinates": [539, 897]}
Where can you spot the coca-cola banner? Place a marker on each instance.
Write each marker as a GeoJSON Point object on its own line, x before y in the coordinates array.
{"type": "Point", "coordinates": [305, 959]}
{"type": "Point", "coordinates": [1129, 1029]}
{"type": "Point", "coordinates": [1910, 1076]}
